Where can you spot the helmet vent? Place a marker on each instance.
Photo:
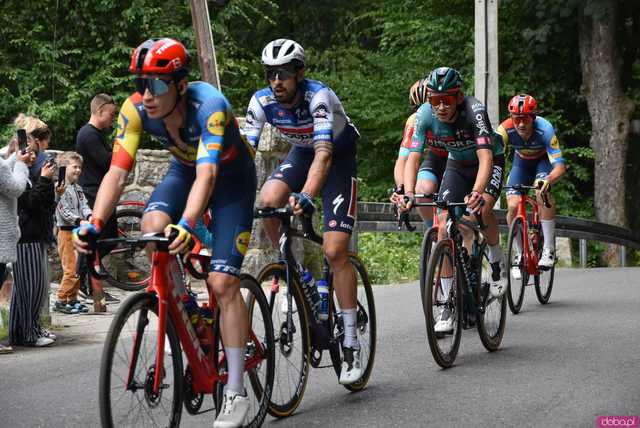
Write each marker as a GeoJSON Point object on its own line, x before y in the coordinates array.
{"type": "Point", "coordinates": [162, 62]}
{"type": "Point", "coordinates": [141, 57]}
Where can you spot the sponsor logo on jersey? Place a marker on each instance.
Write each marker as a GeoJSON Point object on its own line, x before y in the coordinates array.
{"type": "Point", "coordinates": [285, 166]}
{"type": "Point", "coordinates": [481, 125]}
{"type": "Point", "coordinates": [321, 111]}
{"type": "Point", "coordinates": [251, 117]}
{"type": "Point", "coordinates": [214, 146]}
{"type": "Point", "coordinates": [216, 123]}
{"type": "Point", "coordinates": [280, 113]}
{"type": "Point", "coordinates": [333, 224]}
{"type": "Point", "coordinates": [346, 226]}
{"type": "Point", "coordinates": [554, 143]}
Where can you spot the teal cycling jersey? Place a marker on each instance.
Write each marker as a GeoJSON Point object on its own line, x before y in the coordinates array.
{"type": "Point", "coordinates": [471, 131]}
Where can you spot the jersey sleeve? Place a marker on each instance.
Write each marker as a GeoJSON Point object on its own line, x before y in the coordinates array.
{"type": "Point", "coordinates": [409, 127]}
{"type": "Point", "coordinates": [128, 135]}
{"type": "Point", "coordinates": [213, 117]}
{"type": "Point", "coordinates": [481, 126]}
{"type": "Point", "coordinates": [422, 123]}
{"type": "Point", "coordinates": [321, 110]}
{"type": "Point", "coordinates": [503, 133]}
{"type": "Point", "coordinates": [553, 148]}
{"type": "Point", "coordinates": [254, 123]}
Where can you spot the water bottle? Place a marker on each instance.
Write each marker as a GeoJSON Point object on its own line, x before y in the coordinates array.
{"type": "Point", "coordinates": [323, 292]}
{"type": "Point", "coordinates": [311, 293]}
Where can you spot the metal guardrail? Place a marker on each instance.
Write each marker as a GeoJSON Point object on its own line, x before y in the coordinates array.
{"type": "Point", "coordinates": [379, 217]}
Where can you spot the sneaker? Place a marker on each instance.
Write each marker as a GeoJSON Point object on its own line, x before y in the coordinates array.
{"type": "Point", "coordinates": [515, 267]}
{"type": "Point", "coordinates": [46, 333]}
{"type": "Point", "coordinates": [110, 298]}
{"type": "Point", "coordinates": [234, 409]}
{"type": "Point", "coordinates": [498, 286]}
{"type": "Point", "coordinates": [445, 323]}
{"type": "Point", "coordinates": [79, 306]}
{"type": "Point", "coordinates": [65, 308]}
{"type": "Point", "coordinates": [351, 368]}
{"type": "Point", "coordinates": [548, 259]}
{"type": "Point", "coordinates": [43, 341]}
{"type": "Point", "coordinates": [5, 349]}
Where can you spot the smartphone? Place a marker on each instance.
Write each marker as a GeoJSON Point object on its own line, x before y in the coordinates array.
{"type": "Point", "coordinates": [62, 171]}
{"type": "Point", "coordinates": [22, 140]}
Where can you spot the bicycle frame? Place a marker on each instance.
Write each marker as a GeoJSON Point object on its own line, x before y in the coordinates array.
{"type": "Point", "coordinates": [530, 256]}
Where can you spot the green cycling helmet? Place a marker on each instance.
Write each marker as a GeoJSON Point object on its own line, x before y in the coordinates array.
{"type": "Point", "coordinates": [444, 79]}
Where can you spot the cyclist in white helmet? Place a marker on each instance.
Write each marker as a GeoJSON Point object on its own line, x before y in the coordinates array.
{"type": "Point", "coordinates": [322, 160]}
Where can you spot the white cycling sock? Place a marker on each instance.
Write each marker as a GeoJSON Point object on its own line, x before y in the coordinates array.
{"type": "Point", "coordinates": [446, 283]}
{"type": "Point", "coordinates": [349, 321]}
{"type": "Point", "coordinates": [549, 233]}
{"type": "Point", "coordinates": [235, 368]}
{"type": "Point", "coordinates": [495, 253]}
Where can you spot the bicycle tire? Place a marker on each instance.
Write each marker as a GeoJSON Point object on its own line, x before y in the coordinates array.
{"type": "Point", "coordinates": [516, 232]}
{"type": "Point", "coordinates": [366, 323]}
{"type": "Point", "coordinates": [490, 331]}
{"type": "Point", "coordinates": [145, 303]}
{"type": "Point", "coordinates": [443, 249]}
{"type": "Point", "coordinates": [428, 241]}
{"type": "Point", "coordinates": [136, 261]}
{"type": "Point", "coordinates": [260, 377]}
{"type": "Point", "coordinates": [285, 398]}
{"type": "Point", "coordinates": [543, 293]}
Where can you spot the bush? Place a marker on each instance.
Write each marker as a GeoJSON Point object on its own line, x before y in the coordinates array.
{"type": "Point", "coordinates": [390, 257]}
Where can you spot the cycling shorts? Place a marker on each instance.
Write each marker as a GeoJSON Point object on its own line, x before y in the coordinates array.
{"type": "Point", "coordinates": [525, 171]}
{"type": "Point", "coordinates": [459, 178]}
{"type": "Point", "coordinates": [432, 168]}
{"type": "Point", "coordinates": [231, 208]}
{"type": "Point", "coordinates": [339, 194]}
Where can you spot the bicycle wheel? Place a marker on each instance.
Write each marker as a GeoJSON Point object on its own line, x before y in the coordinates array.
{"type": "Point", "coordinates": [292, 345]}
{"type": "Point", "coordinates": [130, 350]}
{"type": "Point", "coordinates": [515, 258]}
{"type": "Point", "coordinates": [259, 353]}
{"type": "Point", "coordinates": [428, 242]}
{"type": "Point", "coordinates": [366, 327]}
{"type": "Point", "coordinates": [444, 347]}
{"type": "Point", "coordinates": [128, 268]}
{"type": "Point", "coordinates": [491, 323]}
{"type": "Point", "coordinates": [544, 280]}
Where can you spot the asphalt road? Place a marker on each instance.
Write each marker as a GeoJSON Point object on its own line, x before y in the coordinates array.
{"type": "Point", "coordinates": [560, 365]}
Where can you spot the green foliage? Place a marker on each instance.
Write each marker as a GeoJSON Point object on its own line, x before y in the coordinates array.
{"type": "Point", "coordinates": [391, 257]}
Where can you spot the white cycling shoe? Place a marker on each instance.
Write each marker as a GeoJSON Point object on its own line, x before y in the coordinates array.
{"type": "Point", "coordinates": [351, 371]}
{"type": "Point", "coordinates": [498, 283]}
{"type": "Point", "coordinates": [234, 409]}
{"type": "Point", "coordinates": [445, 323]}
{"type": "Point", "coordinates": [515, 267]}
{"type": "Point", "coordinates": [548, 259]}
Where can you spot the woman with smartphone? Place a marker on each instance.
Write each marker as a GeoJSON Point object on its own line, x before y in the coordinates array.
{"type": "Point", "coordinates": [13, 180]}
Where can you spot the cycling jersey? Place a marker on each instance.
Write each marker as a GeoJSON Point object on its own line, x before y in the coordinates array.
{"type": "Point", "coordinates": [210, 134]}
{"type": "Point", "coordinates": [543, 140]}
{"type": "Point", "coordinates": [470, 131]}
{"type": "Point", "coordinates": [318, 116]}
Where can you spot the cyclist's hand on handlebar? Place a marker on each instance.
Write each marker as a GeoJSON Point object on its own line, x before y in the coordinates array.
{"type": "Point", "coordinates": [183, 236]}
{"type": "Point", "coordinates": [542, 185]}
{"type": "Point", "coordinates": [406, 202]}
{"type": "Point", "coordinates": [302, 203]}
{"type": "Point", "coordinates": [397, 194]}
{"type": "Point", "coordinates": [474, 201]}
{"type": "Point", "coordinates": [84, 237]}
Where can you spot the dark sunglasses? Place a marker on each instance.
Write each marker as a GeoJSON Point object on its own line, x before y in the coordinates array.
{"type": "Point", "coordinates": [518, 119]}
{"type": "Point", "coordinates": [156, 86]}
{"type": "Point", "coordinates": [447, 99]}
{"type": "Point", "coordinates": [282, 73]}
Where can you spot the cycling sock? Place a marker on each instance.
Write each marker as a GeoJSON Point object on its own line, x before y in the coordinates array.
{"type": "Point", "coordinates": [446, 283]}
{"type": "Point", "coordinates": [495, 253]}
{"type": "Point", "coordinates": [549, 233]}
{"type": "Point", "coordinates": [235, 367]}
{"type": "Point", "coordinates": [428, 224]}
{"type": "Point", "coordinates": [349, 320]}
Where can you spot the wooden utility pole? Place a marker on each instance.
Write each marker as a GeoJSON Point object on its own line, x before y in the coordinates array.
{"type": "Point", "coordinates": [486, 57]}
{"type": "Point", "coordinates": [204, 40]}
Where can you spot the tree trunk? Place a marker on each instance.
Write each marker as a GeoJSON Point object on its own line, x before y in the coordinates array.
{"type": "Point", "coordinates": [610, 110]}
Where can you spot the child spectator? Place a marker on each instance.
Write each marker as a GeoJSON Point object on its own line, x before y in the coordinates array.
{"type": "Point", "coordinates": [72, 210]}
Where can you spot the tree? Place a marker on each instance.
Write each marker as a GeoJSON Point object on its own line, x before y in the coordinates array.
{"type": "Point", "coordinates": [609, 108]}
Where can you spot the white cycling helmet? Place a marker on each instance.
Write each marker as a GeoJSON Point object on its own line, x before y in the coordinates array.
{"type": "Point", "coordinates": [283, 51]}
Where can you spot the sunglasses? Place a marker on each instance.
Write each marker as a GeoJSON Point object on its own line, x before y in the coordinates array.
{"type": "Point", "coordinates": [156, 86]}
{"type": "Point", "coordinates": [279, 73]}
{"type": "Point", "coordinates": [525, 118]}
{"type": "Point", "coordinates": [447, 99]}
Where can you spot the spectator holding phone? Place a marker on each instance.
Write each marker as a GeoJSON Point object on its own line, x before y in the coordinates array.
{"type": "Point", "coordinates": [13, 180]}
{"type": "Point", "coordinates": [72, 211]}
{"type": "Point", "coordinates": [35, 212]}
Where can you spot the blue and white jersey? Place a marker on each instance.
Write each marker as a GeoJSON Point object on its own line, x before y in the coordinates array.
{"type": "Point", "coordinates": [318, 116]}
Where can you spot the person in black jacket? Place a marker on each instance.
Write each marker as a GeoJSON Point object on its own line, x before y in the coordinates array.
{"type": "Point", "coordinates": [35, 213]}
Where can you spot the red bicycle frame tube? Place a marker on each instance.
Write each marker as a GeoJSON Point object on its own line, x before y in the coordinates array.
{"type": "Point", "coordinates": [531, 258]}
